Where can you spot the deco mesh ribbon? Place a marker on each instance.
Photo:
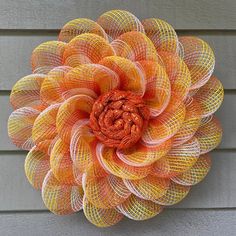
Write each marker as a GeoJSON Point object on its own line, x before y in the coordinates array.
{"type": "Point", "coordinates": [117, 116]}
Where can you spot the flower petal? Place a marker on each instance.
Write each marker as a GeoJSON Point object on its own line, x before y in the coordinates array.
{"type": "Point", "coordinates": [91, 79]}
{"type": "Point", "coordinates": [136, 208]}
{"type": "Point", "coordinates": [191, 123]}
{"type": "Point", "coordinates": [158, 89]}
{"type": "Point", "coordinates": [142, 155]}
{"type": "Point", "coordinates": [44, 127]}
{"type": "Point", "coordinates": [162, 34]}
{"type": "Point", "coordinates": [196, 173]}
{"type": "Point", "coordinates": [59, 198]}
{"type": "Point", "coordinates": [149, 188]}
{"type": "Point", "coordinates": [86, 48]}
{"type": "Point", "coordinates": [179, 76]}
{"type": "Point", "coordinates": [51, 91]}
{"type": "Point", "coordinates": [47, 56]}
{"type": "Point", "coordinates": [131, 77]}
{"type": "Point", "coordinates": [72, 110]}
{"type": "Point", "coordinates": [36, 167]}
{"type": "Point", "coordinates": [20, 126]}
{"type": "Point", "coordinates": [173, 195]}
{"type": "Point", "coordinates": [178, 160]}
{"type": "Point", "coordinates": [82, 146]}
{"type": "Point", "coordinates": [199, 58]}
{"type": "Point", "coordinates": [79, 26]}
{"type": "Point", "coordinates": [110, 161]}
{"type": "Point", "coordinates": [209, 135]}
{"type": "Point", "coordinates": [105, 192]}
{"type": "Point", "coordinates": [135, 46]}
{"type": "Point", "coordinates": [165, 125]}
{"type": "Point", "coordinates": [100, 217]}
{"type": "Point", "coordinates": [117, 22]}
{"type": "Point", "coordinates": [61, 163]}
{"type": "Point", "coordinates": [210, 96]}
{"type": "Point", "coordinates": [26, 91]}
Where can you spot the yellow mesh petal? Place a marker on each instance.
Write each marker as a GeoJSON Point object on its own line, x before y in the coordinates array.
{"type": "Point", "coordinates": [209, 135]}
{"type": "Point", "coordinates": [47, 56]}
{"type": "Point", "coordinates": [173, 195]}
{"type": "Point", "coordinates": [149, 188]}
{"type": "Point", "coordinates": [100, 217]}
{"type": "Point", "coordinates": [110, 161]}
{"type": "Point", "coordinates": [36, 167]}
{"type": "Point", "coordinates": [136, 208]}
{"type": "Point", "coordinates": [61, 199]}
{"type": "Point", "coordinates": [162, 34]}
{"type": "Point", "coordinates": [26, 91]}
{"type": "Point", "coordinates": [199, 58]}
{"type": "Point", "coordinates": [196, 173]}
{"type": "Point", "coordinates": [105, 192]}
{"type": "Point", "coordinates": [117, 22]}
{"type": "Point", "coordinates": [210, 96]}
{"type": "Point", "coordinates": [79, 26]}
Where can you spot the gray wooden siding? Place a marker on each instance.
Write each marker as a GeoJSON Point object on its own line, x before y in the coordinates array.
{"type": "Point", "coordinates": [210, 208]}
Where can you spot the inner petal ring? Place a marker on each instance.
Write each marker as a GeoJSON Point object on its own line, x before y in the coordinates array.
{"type": "Point", "coordinates": [118, 118]}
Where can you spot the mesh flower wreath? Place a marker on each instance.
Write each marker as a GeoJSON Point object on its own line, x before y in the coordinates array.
{"type": "Point", "coordinates": [117, 116]}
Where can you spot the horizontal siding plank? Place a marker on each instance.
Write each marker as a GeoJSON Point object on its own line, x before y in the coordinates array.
{"type": "Point", "coordinates": [49, 14]}
{"type": "Point", "coordinates": [17, 51]}
{"type": "Point", "coordinates": [170, 222]}
{"type": "Point", "coordinates": [226, 115]}
{"type": "Point", "coordinates": [218, 190]}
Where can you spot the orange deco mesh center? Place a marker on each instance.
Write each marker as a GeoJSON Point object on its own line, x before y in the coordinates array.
{"type": "Point", "coordinates": [118, 118]}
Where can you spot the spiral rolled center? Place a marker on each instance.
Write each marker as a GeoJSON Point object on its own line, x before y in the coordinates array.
{"type": "Point", "coordinates": [118, 118]}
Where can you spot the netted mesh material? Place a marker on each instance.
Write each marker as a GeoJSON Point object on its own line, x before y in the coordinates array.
{"type": "Point", "coordinates": [118, 115]}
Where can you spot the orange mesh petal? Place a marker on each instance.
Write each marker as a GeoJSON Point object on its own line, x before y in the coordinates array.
{"type": "Point", "coordinates": [179, 76]}
{"type": "Point", "coordinates": [101, 217]}
{"type": "Point", "coordinates": [209, 135]}
{"type": "Point", "coordinates": [110, 161]}
{"type": "Point", "coordinates": [91, 79]}
{"type": "Point", "coordinates": [136, 208]}
{"type": "Point", "coordinates": [61, 163]}
{"type": "Point", "coordinates": [149, 188]}
{"type": "Point", "coordinates": [44, 127]}
{"type": "Point", "coordinates": [165, 125]}
{"type": "Point", "coordinates": [117, 22]}
{"type": "Point", "coordinates": [196, 173]}
{"type": "Point", "coordinates": [178, 160]}
{"type": "Point", "coordinates": [36, 167]}
{"type": "Point", "coordinates": [199, 58]}
{"type": "Point", "coordinates": [173, 195]}
{"type": "Point", "coordinates": [105, 192]}
{"type": "Point", "coordinates": [135, 46]}
{"type": "Point", "coordinates": [158, 89]}
{"type": "Point", "coordinates": [162, 34]}
{"type": "Point", "coordinates": [79, 26]}
{"type": "Point", "coordinates": [73, 109]}
{"type": "Point", "coordinates": [20, 126]}
{"type": "Point", "coordinates": [142, 155]}
{"type": "Point", "coordinates": [61, 199]}
{"type": "Point", "coordinates": [191, 123]}
{"type": "Point", "coordinates": [131, 77]}
{"type": "Point", "coordinates": [26, 91]}
{"type": "Point", "coordinates": [210, 96]}
{"type": "Point", "coordinates": [47, 56]}
{"type": "Point", "coordinates": [86, 48]}
{"type": "Point", "coordinates": [51, 91]}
